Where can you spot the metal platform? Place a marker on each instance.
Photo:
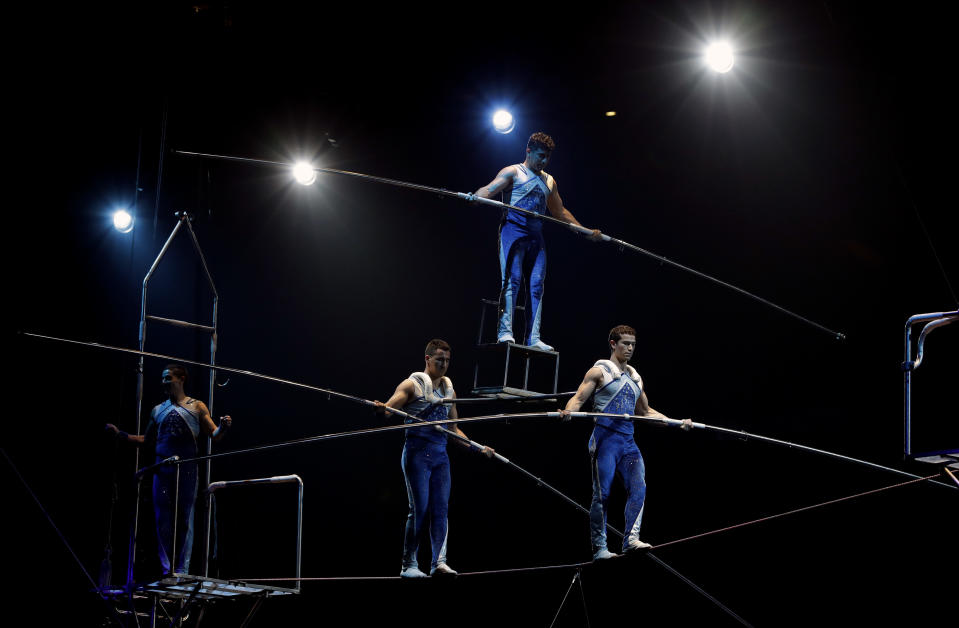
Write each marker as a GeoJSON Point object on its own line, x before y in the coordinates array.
{"type": "Point", "coordinates": [186, 586]}
{"type": "Point", "coordinates": [949, 459]}
{"type": "Point", "coordinates": [501, 355]}
{"type": "Point", "coordinates": [508, 392]}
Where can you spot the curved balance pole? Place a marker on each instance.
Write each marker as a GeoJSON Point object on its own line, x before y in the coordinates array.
{"type": "Point", "coordinates": [663, 421]}
{"type": "Point", "coordinates": [622, 244]}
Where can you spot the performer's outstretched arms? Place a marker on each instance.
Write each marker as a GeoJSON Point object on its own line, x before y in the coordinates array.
{"type": "Point", "coordinates": [593, 378]}
{"type": "Point", "coordinates": [497, 185]}
{"type": "Point", "coordinates": [555, 205]}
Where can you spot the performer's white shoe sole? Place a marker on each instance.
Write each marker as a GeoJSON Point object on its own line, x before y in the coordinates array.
{"type": "Point", "coordinates": [442, 571]}
{"type": "Point", "coordinates": [604, 554]}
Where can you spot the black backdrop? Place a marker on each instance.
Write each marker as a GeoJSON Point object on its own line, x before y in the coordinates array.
{"type": "Point", "coordinates": [816, 174]}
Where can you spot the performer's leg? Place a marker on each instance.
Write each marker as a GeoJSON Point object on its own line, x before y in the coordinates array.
{"type": "Point", "coordinates": [603, 468]}
{"type": "Point", "coordinates": [633, 471]}
{"type": "Point", "coordinates": [536, 271]}
{"type": "Point", "coordinates": [511, 277]}
{"type": "Point", "coordinates": [439, 506]}
{"type": "Point", "coordinates": [417, 491]}
{"type": "Point", "coordinates": [184, 524]}
{"type": "Point", "coordinates": [164, 486]}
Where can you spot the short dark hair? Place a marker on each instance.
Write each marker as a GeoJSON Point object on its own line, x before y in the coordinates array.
{"type": "Point", "coordinates": [540, 140]}
{"type": "Point", "coordinates": [177, 370]}
{"type": "Point", "coordinates": [436, 344]}
{"type": "Point", "coordinates": [619, 331]}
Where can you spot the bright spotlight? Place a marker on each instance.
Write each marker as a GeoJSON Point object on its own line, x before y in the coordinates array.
{"type": "Point", "coordinates": [123, 221]}
{"type": "Point", "coordinates": [304, 173]}
{"type": "Point", "coordinates": [719, 57]}
{"type": "Point", "coordinates": [503, 121]}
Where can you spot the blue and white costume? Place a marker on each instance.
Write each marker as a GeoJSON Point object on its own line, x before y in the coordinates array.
{"type": "Point", "coordinates": [177, 430]}
{"type": "Point", "coordinates": [522, 251]}
{"type": "Point", "coordinates": [613, 450]}
{"type": "Point", "coordinates": [426, 467]}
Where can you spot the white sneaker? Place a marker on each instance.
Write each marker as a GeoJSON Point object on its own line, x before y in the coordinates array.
{"type": "Point", "coordinates": [635, 545]}
{"type": "Point", "coordinates": [506, 338]}
{"type": "Point", "coordinates": [442, 570]}
{"type": "Point", "coordinates": [412, 572]}
{"type": "Point", "coordinates": [603, 554]}
{"type": "Point", "coordinates": [542, 346]}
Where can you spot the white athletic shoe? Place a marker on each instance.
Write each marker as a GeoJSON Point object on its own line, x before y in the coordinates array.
{"type": "Point", "coordinates": [603, 554]}
{"type": "Point", "coordinates": [412, 572]}
{"type": "Point", "coordinates": [443, 571]}
{"type": "Point", "coordinates": [636, 545]}
{"type": "Point", "coordinates": [542, 346]}
{"type": "Point", "coordinates": [506, 338]}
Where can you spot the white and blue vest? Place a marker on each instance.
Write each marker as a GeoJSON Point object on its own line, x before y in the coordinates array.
{"type": "Point", "coordinates": [428, 405]}
{"type": "Point", "coordinates": [618, 395]}
{"type": "Point", "coordinates": [529, 192]}
{"type": "Point", "coordinates": [172, 439]}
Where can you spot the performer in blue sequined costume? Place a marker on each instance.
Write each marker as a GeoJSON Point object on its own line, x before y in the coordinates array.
{"type": "Point", "coordinates": [616, 388]}
{"type": "Point", "coordinates": [425, 463]}
{"type": "Point", "coordinates": [522, 250]}
{"type": "Point", "coordinates": [173, 430]}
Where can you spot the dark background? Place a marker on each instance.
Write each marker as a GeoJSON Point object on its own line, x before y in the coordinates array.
{"type": "Point", "coordinates": [817, 174]}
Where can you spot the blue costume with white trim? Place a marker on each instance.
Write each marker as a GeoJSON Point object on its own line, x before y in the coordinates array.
{"type": "Point", "coordinates": [426, 467]}
{"type": "Point", "coordinates": [177, 430]}
{"type": "Point", "coordinates": [522, 251]}
{"type": "Point", "coordinates": [613, 450]}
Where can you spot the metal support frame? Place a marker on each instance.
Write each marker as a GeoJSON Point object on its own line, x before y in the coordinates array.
{"type": "Point", "coordinates": [183, 222]}
{"type": "Point", "coordinates": [277, 479]}
{"type": "Point", "coordinates": [933, 320]}
{"type": "Point", "coordinates": [527, 353]}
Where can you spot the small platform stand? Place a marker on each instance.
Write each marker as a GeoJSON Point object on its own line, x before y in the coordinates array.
{"type": "Point", "coordinates": [497, 356]}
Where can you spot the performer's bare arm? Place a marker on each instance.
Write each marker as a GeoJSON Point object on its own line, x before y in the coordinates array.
{"type": "Point", "coordinates": [593, 378]}
{"type": "Point", "coordinates": [500, 183]}
{"type": "Point", "coordinates": [486, 451]}
{"type": "Point", "coordinates": [135, 439]}
{"type": "Point", "coordinates": [207, 426]}
{"type": "Point", "coordinates": [554, 203]}
{"type": "Point", "coordinates": [643, 409]}
{"type": "Point", "coordinates": [403, 395]}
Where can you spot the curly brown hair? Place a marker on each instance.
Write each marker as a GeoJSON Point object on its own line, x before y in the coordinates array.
{"type": "Point", "coordinates": [619, 331]}
{"type": "Point", "coordinates": [540, 140]}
